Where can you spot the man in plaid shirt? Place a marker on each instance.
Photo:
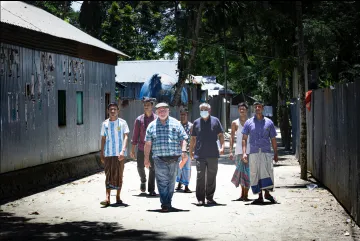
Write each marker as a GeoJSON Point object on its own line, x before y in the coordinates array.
{"type": "Point", "coordinates": [166, 138]}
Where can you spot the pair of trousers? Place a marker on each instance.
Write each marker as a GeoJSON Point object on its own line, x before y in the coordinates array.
{"type": "Point", "coordinates": [206, 178]}
{"type": "Point", "coordinates": [165, 173]}
{"type": "Point", "coordinates": [141, 171]}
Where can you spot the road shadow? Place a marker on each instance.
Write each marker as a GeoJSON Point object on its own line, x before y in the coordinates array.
{"type": "Point", "coordinates": [209, 205]}
{"type": "Point", "coordinates": [24, 228]}
{"type": "Point", "coordinates": [115, 205]}
{"type": "Point", "coordinates": [237, 200]}
{"type": "Point", "coordinates": [262, 204]}
{"type": "Point", "coordinates": [146, 195]}
{"type": "Point", "coordinates": [171, 210]}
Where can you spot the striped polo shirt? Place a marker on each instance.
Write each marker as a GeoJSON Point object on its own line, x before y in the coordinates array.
{"type": "Point", "coordinates": [114, 132]}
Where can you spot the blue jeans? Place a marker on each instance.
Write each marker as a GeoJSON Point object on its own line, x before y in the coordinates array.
{"type": "Point", "coordinates": [165, 174]}
{"type": "Point", "coordinates": [184, 174]}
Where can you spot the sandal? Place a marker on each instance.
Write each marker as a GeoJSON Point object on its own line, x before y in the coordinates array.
{"type": "Point", "coordinates": [119, 201]}
{"type": "Point", "coordinates": [239, 199]}
{"type": "Point", "coordinates": [258, 201]}
{"type": "Point", "coordinates": [271, 199]}
{"type": "Point", "coordinates": [246, 199]}
{"type": "Point", "coordinates": [105, 203]}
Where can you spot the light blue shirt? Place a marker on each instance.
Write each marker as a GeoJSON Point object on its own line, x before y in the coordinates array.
{"type": "Point", "coordinates": [166, 139]}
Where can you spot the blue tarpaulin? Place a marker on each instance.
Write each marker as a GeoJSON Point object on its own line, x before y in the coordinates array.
{"type": "Point", "coordinates": [160, 86]}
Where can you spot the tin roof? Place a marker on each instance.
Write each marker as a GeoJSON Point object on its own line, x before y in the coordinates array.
{"type": "Point", "coordinates": [30, 17]}
{"type": "Point", "coordinates": [141, 71]}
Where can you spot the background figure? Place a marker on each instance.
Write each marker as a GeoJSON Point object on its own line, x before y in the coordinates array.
{"type": "Point", "coordinates": [184, 174]}
{"type": "Point", "coordinates": [166, 138]}
{"type": "Point", "coordinates": [203, 147]}
{"type": "Point", "coordinates": [241, 175]}
{"type": "Point", "coordinates": [138, 139]}
{"type": "Point", "coordinates": [114, 136]}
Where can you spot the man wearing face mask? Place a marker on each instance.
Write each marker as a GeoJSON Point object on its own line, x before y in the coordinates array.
{"type": "Point", "coordinates": [166, 137]}
{"type": "Point", "coordinates": [203, 147]}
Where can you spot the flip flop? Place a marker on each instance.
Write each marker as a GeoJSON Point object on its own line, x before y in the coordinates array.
{"type": "Point", "coordinates": [105, 203]}
{"type": "Point", "coordinates": [258, 201]}
{"type": "Point", "coordinates": [239, 199]}
{"type": "Point", "coordinates": [271, 199]}
{"type": "Point", "coordinates": [119, 201]}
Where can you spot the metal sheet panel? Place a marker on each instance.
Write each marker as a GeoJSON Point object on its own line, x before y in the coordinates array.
{"type": "Point", "coordinates": [30, 81]}
{"type": "Point", "coordinates": [30, 17]}
{"type": "Point", "coordinates": [336, 140]}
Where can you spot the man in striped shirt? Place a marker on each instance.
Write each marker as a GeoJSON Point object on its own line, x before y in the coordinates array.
{"type": "Point", "coordinates": [114, 136]}
{"type": "Point", "coordinates": [166, 137]}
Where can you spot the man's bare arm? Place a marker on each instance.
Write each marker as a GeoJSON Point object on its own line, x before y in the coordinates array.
{"type": "Point", "coordinates": [222, 143]}
{"type": "Point", "coordinates": [244, 143]}
{"type": "Point", "coordinates": [147, 149]}
{"type": "Point", "coordinates": [103, 140]}
{"type": "Point", "coordinates": [232, 137]}
{"type": "Point", "coordinates": [274, 146]}
{"type": "Point", "coordinates": [192, 145]}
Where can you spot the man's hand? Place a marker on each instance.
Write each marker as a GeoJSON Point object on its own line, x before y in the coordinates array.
{"type": "Point", "coordinates": [276, 157]}
{"type": "Point", "coordinates": [231, 156]}
{"type": "Point", "coordinates": [132, 155]}
{"type": "Point", "coordinates": [245, 158]}
{"type": "Point", "coordinates": [184, 159]}
{"type": "Point", "coordinates": [221, 151]}
{"type": "Point", "coordinates": [121, 156]}
{"type": "Point", "coordinates": [147, 162]}
{"type": "Point", "coordinates": [102, 158]}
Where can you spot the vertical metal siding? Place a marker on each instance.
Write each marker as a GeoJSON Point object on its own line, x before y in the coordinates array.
{"type": "Point", "coordinates": [334, 143]}
{"type": "Point", "coordinates": [30, 134]}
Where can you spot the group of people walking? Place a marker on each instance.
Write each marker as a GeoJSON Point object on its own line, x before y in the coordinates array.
{"type": "Point", "coordinates": [167, 146]}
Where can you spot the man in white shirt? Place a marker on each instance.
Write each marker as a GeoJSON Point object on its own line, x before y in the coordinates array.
{"type": "Point", "coordinates": [242, 172]}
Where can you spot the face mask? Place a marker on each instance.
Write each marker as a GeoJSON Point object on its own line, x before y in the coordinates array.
{"type": "Point", "coordinates": [204, 113]}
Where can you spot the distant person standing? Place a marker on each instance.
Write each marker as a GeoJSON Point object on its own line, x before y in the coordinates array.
{"type": "Point", "coordinates": [204, 148]}
{"type": "Point", "coordinates": [261, 131]}
{"type": "Point", "coordinates": [184, 174]}
{"type": "Point", "coordinates": [242, 173]}
{"type": "Point", "coordinates": [138, 139]}
{"type": "Point", "coordinates": [114, 136]}
{"type": "Point", "coordinates": [166, 137]}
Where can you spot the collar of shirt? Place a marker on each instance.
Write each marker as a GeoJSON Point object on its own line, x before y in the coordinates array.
{"type": "Point", "coordinates": [206, 121]}
{"type": "Point", "coordinates": [256, 119]}
{"type": "Point", "coordinates": [158, 122]}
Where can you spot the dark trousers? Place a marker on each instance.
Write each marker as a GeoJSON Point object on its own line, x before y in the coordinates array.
{"type": "Point", "coordinates": [141, 170]}
{"type": "Point", "coordinates": [206, 178]}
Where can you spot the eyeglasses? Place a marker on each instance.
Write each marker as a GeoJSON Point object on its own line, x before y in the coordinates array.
{"type": "Point", "coordinates": [162, 110]}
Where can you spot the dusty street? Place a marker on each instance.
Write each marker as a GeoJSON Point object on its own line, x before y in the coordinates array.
{"type": "Point", "coordinates": [72, 212]}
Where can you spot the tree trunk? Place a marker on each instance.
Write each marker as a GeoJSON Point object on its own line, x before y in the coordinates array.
{"type": "Point", "coordinates": [301, 52]}
{"type": "Point", "coordinates": [182, 75]}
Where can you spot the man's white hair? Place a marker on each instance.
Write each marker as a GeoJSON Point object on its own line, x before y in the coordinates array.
{"type": "Point", "coordinates": [205, 105]}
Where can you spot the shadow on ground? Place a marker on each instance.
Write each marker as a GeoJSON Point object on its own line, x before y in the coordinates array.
{"type": "Point", "coordinates": [23, 228]}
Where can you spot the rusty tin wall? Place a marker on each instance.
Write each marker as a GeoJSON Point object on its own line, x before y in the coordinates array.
{"type": "Point", "coordinates": [30, 80]}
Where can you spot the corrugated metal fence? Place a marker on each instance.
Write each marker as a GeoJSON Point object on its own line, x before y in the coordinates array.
{"type": "Point", "coordinates": [334, 142]}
